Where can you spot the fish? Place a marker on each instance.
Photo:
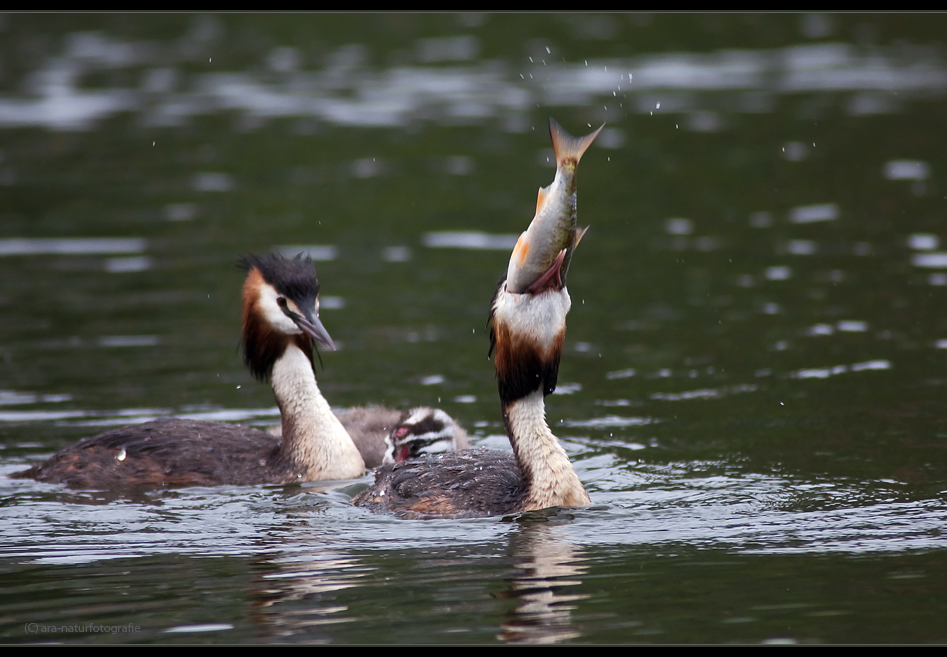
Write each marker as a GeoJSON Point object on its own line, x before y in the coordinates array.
{"type": "Point", "coordinates": [552, 234]}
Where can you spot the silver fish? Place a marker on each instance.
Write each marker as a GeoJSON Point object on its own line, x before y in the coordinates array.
{"type": "Point", "coordinates": [552, 234]}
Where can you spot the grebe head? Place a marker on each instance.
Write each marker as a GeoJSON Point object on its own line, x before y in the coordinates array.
{"type": "Point", "coordinates": [527, 332]}
{"type": "Point", "coordinates": [280, 306]}
{"type": "Point", "coordinates": [422, 431]}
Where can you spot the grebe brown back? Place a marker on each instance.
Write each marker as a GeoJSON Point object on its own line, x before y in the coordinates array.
{"type": "Point", "coordinates": [527, 330]}
{"type": "Point", "coordinates": [280, 321]}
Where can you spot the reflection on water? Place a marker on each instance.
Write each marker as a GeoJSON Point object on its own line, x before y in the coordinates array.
{"type": "Point", "coordinates": [547, 566]}
{"type": "Point", "coordinates": [752, 383]}
{"type": "Point", "coordinates": [347, 91]}
{"type": "Point", "coordinates": [73, 246]}
{"type": "Point", "coordinates": [469, 240]}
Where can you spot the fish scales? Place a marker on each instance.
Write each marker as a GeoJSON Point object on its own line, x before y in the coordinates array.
{"type": "Point", "coordinates": [553, 229]}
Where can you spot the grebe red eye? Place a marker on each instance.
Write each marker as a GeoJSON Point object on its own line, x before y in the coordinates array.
{"type": "Point", "coordinates": [281, 302]}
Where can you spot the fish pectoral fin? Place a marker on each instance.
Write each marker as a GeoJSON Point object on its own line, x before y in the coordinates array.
{"type": "Point", "coordinates": [521, 250]}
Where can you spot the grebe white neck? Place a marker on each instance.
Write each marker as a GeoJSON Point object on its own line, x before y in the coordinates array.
{"type": "Point", "coordinates": [545, 465]}
{"type": "Point", "coordinates": [313, 437]}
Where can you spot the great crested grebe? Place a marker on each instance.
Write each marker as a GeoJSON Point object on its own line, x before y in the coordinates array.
{"type": "Point", "coordinates": [280, 321]}
{"type": "Point", "coordinates": [527, 330]}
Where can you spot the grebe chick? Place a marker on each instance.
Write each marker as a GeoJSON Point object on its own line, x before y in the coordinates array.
{"type": "Point", "coordinates": [385, 435]}
{"type": "Point", "coordinates": [423, 430]}
{"type": "Point", "coordinates": [527, 330]}
{"type": "Point", "coordinates": [280, 321]}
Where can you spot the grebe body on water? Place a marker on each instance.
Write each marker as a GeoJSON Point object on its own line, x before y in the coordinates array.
{"type": "Point", "coordinates": [527, 331]}
{"type": "Point", "coordinates": [280, 323]}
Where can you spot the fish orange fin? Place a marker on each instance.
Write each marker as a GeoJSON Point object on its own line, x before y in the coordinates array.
{"type": "Point", "coordinates": [521, 250]}
{"type": "Point", "coordinates": [566, 146]}
{"type": "Point", "coordinates": [541, 199]}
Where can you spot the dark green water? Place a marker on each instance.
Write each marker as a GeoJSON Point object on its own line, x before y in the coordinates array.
{"type": "Point", "coordinates": [755, 364]}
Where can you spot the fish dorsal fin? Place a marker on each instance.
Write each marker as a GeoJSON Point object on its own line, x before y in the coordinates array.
{"type": "Point", "coordinates": [566, 146]}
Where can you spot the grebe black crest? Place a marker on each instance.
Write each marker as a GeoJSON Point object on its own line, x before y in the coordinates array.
{"type": "Point", "coordinates": [280, 323]}
{"type": "Point", "coordinates": [527, 331]}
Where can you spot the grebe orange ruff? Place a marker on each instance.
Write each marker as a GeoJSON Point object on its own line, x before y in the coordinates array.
{"type": "Point", "coordinates": [527, 330]}
{"type": "Point", "coordinates": [280, 321]}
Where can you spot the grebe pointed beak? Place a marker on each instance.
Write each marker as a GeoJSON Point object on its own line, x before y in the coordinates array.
{"type": "Point", "coordinates": [315, 330]}
{"type": "Point", "coordinates": [310, 325]}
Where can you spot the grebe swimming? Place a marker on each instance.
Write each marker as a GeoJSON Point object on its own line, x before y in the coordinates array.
{"type": "Point", "coordinates": [280, 322]}
{"type": "Point", "coordinates": [527, 330]}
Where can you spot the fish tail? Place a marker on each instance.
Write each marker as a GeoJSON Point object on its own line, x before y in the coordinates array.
{"type": "Point", "coordinates": [567, 147]}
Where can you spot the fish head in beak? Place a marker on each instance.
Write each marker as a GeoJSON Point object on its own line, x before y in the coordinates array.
{"type": "Point", "coordinates": [551, 279]}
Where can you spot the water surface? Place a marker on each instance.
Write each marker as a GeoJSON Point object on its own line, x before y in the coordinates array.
{"type": "Point", "coordinates": [755, 360]}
